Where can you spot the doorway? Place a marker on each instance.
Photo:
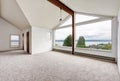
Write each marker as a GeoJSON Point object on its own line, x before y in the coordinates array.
{"type": "Point", "coordinates": [27, 42]}
{"type": "Point", "coordinates": [23, 41]}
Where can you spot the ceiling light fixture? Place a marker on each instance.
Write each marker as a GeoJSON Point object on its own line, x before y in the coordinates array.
{"type": "Point", "coordinates": [60, 15]}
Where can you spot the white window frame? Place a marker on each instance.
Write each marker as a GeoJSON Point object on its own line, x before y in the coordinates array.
{"type": "Point", "coordinates": [11, 40]}
{"type": "Point", "coordinates": [99, 19]}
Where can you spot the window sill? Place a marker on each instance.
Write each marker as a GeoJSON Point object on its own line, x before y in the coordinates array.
{"type": "Point", "coordinates": [100, 52]}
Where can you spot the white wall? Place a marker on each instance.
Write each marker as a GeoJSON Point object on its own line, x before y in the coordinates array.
{"type": "Point", "coordinates": [40, 40]}
{"type": "Point", "coordinates": [11, 11]}
{"type": "Point", "coordinates": [114, 37]}
{"type": "Point", "coordinates": [6, 29]}
{"type": "Point", "coordinates": [119, 43]}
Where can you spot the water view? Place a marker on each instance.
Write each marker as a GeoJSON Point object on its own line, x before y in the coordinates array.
{"type": "Point", "coordinates": [87, 42]}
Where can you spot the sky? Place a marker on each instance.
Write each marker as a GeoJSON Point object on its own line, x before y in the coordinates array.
{"type": "Point", "coordinates": [94, 31]}
{"type": "Point", "coordinates": [14, 37]}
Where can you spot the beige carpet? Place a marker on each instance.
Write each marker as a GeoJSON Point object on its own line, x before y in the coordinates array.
{"type": "Point", "coordinates": [54, 66]}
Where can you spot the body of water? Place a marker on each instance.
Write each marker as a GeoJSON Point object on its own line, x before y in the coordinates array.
{"type": "Point", "coordinates": [87, 42]}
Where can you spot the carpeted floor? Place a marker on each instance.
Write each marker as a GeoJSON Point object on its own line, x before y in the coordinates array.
{"type": "Point", "coordinates": [54, 66]}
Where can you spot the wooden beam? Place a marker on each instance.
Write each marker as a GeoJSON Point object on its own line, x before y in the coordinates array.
{"type": "Point", "coordinates": [62, 6]}
{"type": "Point", "coordinates": [71, 12]}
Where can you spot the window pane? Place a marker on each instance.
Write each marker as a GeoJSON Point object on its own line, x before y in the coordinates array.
{"type": "Point", "coordinates": [82, 18]}
{"type": "Point", "coordinates": [78, 18]}
{"type": "Point", "coordinates": [15, 40]}
{"type": "Point", "coordinates": [14, 44]}
{"type": "Point", "coordinates": [61, 35]}
{"type": "Point", "coordinates": [96, 35]}
{"type": "Point", "coordinates": [68, 22]}
{"type": "Point", "coordinates": [14, 37]}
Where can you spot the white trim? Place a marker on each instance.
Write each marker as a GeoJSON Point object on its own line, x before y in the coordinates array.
{"type": "Point", "coordinates": [86, 22]}
{"type": "Point", "coordinates": [100, 18]}
{"type": "Point", "coordinates": [94, 15]}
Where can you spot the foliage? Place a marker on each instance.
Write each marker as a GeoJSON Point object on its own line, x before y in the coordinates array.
{"type": "Point", "coordinates": [101, 46]}
{"type": "Point", "coordinates": [68, 41]}
{"type": "Point", "coordinates": [107, 46]}
{"type": "Point", "coordinates": [81, 42]}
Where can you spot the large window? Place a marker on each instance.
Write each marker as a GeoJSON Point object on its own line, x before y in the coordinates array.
{"type": "Point", "coordinates": [90, 33]}
{"type": "Point", "coordinates": [96, 35]}
{"type": "Point", "coordinates": [15, 41]}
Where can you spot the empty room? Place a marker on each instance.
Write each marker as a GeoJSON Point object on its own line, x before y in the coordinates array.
{"type": "Point", "coordinates": [59, 40]}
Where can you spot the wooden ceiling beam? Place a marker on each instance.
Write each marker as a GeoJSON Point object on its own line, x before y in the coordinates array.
{"type": "Point", "coordinates": [62, 6]}
{"type": "Point", "coordinates": [69, 11]}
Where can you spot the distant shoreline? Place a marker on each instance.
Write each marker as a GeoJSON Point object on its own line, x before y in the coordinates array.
{"type": "Point", "coordinates": [87, 40]}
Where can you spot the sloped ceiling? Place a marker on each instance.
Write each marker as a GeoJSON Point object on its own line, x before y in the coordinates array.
{"type": "Point", "coordinates": [41, 13]}
{"type": "Point", "coordinates": [11, 12]}
{"type": "Point", "coordinates": [101, 7]}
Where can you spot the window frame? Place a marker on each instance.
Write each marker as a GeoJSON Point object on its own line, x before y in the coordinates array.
{"type": "Point", "coordinates": [99, 19]}
{"type": "Point", "coordinates": [11, 41]}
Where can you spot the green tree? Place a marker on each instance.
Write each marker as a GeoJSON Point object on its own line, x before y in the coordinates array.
{"type": "Point", "coordinates": [81, 42]}
{"type": "Point", "coordinates": [68, 41]}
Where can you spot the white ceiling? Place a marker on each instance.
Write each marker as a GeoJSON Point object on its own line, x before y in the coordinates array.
{"type": "Point", "coordinates": [11, 12]}
{"type": "Point", "coordinates": [41, 13]}
{"type": "Point", "coordinates": [101, 7]}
